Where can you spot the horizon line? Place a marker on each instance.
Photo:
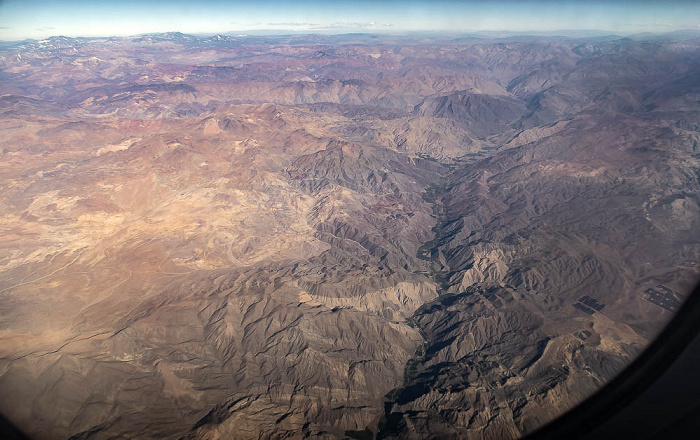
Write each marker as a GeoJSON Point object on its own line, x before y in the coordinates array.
{"type": "Point", "coordinates": [261, 32]}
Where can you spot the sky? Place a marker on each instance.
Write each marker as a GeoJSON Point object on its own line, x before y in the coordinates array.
{"type": "Point", "coordinates": [43, 18]}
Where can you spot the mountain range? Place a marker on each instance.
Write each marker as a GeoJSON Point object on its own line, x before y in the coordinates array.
{"type": "Point", "coordinates": [346, 236]}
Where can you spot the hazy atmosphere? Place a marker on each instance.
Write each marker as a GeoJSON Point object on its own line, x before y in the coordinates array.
{"type": "Point", "coordinates": [391, 220]}
{"type": "Point", "coordinates": [41, 19]}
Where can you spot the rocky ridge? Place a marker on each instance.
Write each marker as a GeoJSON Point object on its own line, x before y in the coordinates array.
{"type": "Point", "coordinates": [332, 237]}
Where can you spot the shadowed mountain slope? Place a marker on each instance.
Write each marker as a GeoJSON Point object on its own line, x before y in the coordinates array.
{"type": "Point", "coordinates": [336, 236]}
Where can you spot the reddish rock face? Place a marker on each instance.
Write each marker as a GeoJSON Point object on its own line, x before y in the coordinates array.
{"type": "Point", "coordinates": [336, 236]}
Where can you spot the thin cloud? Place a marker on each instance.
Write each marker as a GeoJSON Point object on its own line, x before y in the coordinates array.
{"type": "Point", "coordinates": [348, 25]}
{"type": "Point", "coordinates": [294, 24]}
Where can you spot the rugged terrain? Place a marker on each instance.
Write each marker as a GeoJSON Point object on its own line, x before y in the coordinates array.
{"type": "Point", "coordinates": [337, 236]}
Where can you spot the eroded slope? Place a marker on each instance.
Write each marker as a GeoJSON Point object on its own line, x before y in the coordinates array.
{"type": "Point", "coordinates": [318, 236]}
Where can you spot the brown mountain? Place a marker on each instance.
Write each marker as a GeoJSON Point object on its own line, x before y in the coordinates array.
{"type": "Point", "coordinates": [336, 236]}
